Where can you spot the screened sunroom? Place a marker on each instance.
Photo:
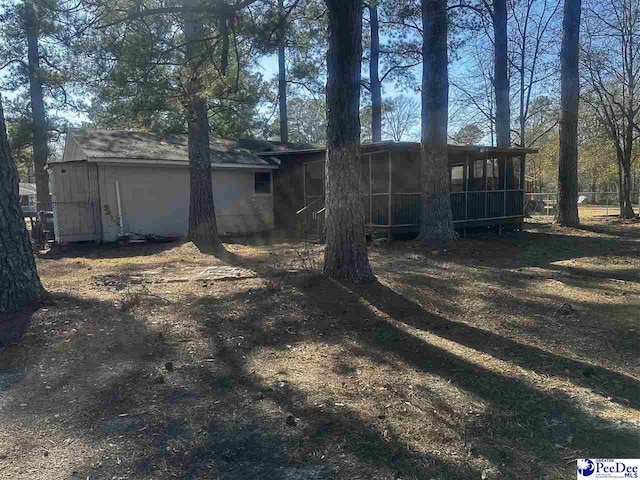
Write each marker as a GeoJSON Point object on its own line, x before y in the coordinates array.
{"type": "Point", "coordinates": [486, 185]}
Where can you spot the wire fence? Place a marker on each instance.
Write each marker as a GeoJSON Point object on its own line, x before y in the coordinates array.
{"type": "Point", "coordinates": [590, 204]}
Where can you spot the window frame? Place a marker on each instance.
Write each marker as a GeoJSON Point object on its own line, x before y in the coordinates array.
{"type": "Point", "coordinates": [255, 183]}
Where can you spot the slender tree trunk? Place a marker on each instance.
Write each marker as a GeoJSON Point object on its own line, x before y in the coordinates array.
{"type": "Point", "coordinates": [282, 77]}
{"type": "Point", "coordinates": [503, 114]}
{"type": "Point", "coordinates": [436, 220]}
{"type": "Point", "coordinates": [20, 285]}
{"type": "Point", "coordinates": [345, 255]}
{"type": "Point", "coordinates": [38, 113]}
{"type": "Point", "coordinates": [374, 74]}
{"type": "Point", "coordinates": [203, 230]}
{"type": "Point", "coordinates": [627, 189]}
{"type": "Point", "coordinates": [570, 96]}
{"type": "Point", "coordinates": [620, 158]}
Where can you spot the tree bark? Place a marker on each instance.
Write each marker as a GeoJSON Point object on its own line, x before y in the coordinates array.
{"type": "Point", "coordinates": [20, 285]}
{"type": "Point", "coordinates": [436, 220]}
{"type": "Point", "coordinates": [203, 229]}
{"type": "Point", "coordinates": [38, 113]}
{"type": "Point", "coordinates": [346, 255]}
{"type": "Point", "coordinates": [627, 189]}
{"type": "Point", "coordinates": [570, 95]}
{"type": "Point", "coordinates": [503, 114]}
{"type": "Point", "coordinates": [282, 77]}
{"type": "Point", "coordinates": [374, 74]}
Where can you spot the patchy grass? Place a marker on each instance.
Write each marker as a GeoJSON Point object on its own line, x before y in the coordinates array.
{"type": "Point", "coordinates": [502, 357]}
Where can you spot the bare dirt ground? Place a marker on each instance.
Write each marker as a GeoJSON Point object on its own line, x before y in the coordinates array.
{"type": "Point", "coordinates": [503, 357]}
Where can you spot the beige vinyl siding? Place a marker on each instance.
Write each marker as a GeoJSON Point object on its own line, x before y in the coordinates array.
{"type": "Point", "coordinates": [155, 201]}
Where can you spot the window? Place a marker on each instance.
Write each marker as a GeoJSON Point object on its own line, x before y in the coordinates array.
{"type": "Point", "coordinates": [457, 178]}
{"type": "Point", "coordinates": [314, 179]}
{"type": "Point", "coordinates": [262, 183]}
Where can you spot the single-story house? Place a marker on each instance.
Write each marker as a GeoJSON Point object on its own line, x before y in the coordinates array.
{"type": "Point", "coordinates": [486, 184]}
{"type": "Point", "coordinates": [110, 183]}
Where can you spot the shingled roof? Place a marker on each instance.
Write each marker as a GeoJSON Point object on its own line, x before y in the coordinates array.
{"type": "Point", "coordinates": [104, 145]}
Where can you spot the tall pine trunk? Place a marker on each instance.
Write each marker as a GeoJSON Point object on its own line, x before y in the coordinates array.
{"type": "Point", "coordinates": [203, 229]}
{"type": "Point", "coordinates": [374, 74]}
{"type": "Point", "coordinates": [345, 255]}
{"type": "Point", "coordinates": [20, 285]}
{"type": "Point", "coordinates": [282, 77]}
{"type": "Point", "coordinates": [570, 95]}
{"type": "Point", "coordinates": [503, 114]}
{"type": "Point", "coordinates": [38, 113]}
{"type": "Point", "coordinates": [436, 220]}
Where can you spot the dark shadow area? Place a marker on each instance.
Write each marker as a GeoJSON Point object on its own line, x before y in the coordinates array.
{"type": "Point", "coordinates": [13, 326]}
{"type": "Point", "coordinates": [92, 250]}
{"type": "Point", "coordinates": [611, 228]}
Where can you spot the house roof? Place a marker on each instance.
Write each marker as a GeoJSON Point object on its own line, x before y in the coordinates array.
{"type": "Point", "coordinates": [473, 150]}
{"type": "Point", "coordinates": [132, 146]}
{"type": "Point", "coordinates": [27, 189]}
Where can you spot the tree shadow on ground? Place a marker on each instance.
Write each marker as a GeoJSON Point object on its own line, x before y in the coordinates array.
{"type": "Point", "coordinates": [537, 249]}
{"type": "Point", "coordinates": [621, 388]}
{"type": "Point", "coordinates": [527, 431]}
{"type": "Point", "coordinates": [91, 250]}
{"type": "Point", "coordinates": [111, 390]}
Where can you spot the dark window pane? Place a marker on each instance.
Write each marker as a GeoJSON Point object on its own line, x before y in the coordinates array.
{"type": "Point", "coordinates": [262, 182]}
{"type": "Point", "coordinates": [314, 179]}
{"type": "Point", "coordinates": [457, 178]}
{"type": "Point", "coordinates": [380, 173]}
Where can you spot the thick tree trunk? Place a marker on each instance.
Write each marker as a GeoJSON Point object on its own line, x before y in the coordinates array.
{"type": "Point", "coordinates": [503, 114]}
{"type": "Point", "coordinates": [436, 220]}
{"type": "Point", "coordinates": [346, 255]}
{"type": "Point", "coordinates": [203, 230]}
{"type": "Point", "coordinates": [627, 189]}
{"type": "Point", "coordinates": [38, 113]}
{"type": "Point", "coordinates": [374, 74]}
{"type": "Point", "coordinates": [282, 78]}
{"type": "Point", "coordinates": [570, 95]}
{"type": "Point", "coordinates": [20, 285]}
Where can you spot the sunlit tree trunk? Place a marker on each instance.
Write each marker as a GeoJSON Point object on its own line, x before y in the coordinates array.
{"type": "Point", "coordinates": [436, 219]}
{"type": "Point", "coordinates": [38, 113]}
{"type": "Point", "coordinates": [570, 95]}
{"type": "Point", "coordinates": [374, 74]}
{"type": "Point", "coordinates": [282, 77]}
{"type": "Point", "coordinates": [203, 230]}
{"type": "Point", "coordinates": [20, 285]}
{"type": "Point", "coordinates": [503, 113]}
{"type": "Point", "coordinates": [346, 255]}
